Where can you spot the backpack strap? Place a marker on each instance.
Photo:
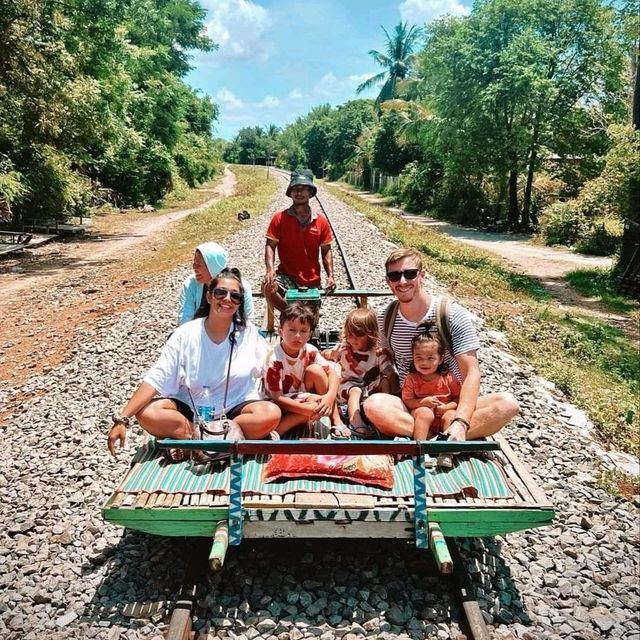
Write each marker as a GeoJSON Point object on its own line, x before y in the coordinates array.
{"type": "Point", "coordinates": [390, 319]}
{"type": "Point", "coordinates": [443, 306]}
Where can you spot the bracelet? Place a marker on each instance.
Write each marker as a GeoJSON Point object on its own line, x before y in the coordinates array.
{"type": "Point", "coordinates": [117, 419]}
{"type": "Point", "coordinates": [467, 426]}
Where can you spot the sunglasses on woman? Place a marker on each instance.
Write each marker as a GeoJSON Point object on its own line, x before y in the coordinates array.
{"type": "Point", "coordinates": [409, 274]}
{"type": "Point", "coordinates": [220, 293]}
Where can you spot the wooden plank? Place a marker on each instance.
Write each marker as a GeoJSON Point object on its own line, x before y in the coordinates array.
{"type": "Point", "coordinates": [315, 500]}
{"type": "Point", "coordinates": [517, 484]}
{"type": "Point", "coordinates": [535, 490]}
{"type": "Point", "coordinates": [115, 500]}
{"type": "Point", "coordinates": [142, 500]}
{"type": "Point", "coordinates": [350, 501]}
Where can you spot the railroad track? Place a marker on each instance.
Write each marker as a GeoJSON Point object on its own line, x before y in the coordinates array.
{"type": "Point", "coordinates": [195, 585]}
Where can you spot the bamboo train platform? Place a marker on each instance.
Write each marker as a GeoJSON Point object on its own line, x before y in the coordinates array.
{"type": "Point", "coordinates": [487, 493]}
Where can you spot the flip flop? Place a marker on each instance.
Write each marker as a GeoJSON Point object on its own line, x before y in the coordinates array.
{"type": "Point", "coordinates": [363, 431]}
{"type": "Point", "coordinates": [340, 432]}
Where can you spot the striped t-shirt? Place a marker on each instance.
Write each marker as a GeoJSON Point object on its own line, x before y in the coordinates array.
{"type": "Point", "coordinates": [463, 337]}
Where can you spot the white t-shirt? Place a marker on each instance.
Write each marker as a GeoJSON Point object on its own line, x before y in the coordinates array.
{"type": "Point", "coordinates": [191, 360]}
{"type": "Point", "coordinates": [463, 337]}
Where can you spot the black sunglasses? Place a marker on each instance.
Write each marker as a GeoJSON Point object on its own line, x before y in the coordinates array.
{"type": "Point", "coordinates": [234, 271]}
{"type": "Point", "coordinates": [220, 293]}
{"type": "Point", "coordinates": [409, 274]}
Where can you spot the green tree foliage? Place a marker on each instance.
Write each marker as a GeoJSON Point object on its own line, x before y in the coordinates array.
{"type": "Point", "coordinates": [397, 61]}
{"type": "Point", "coordinates": [91, 95]}
{"type": "Point", "coordinates": [388, 154]}
{"type": "Point", "coordinates": [592, 221]}
{"type": "Point", "coordinates": [505, 84]}
{"type": "Point", "coordinates": [253, 145]}
{"type": "Point", "coordinates": [326, 139]}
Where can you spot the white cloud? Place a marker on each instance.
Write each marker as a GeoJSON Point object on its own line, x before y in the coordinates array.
{"type": "Point", "coordinates": [355, 80]}
{"type": "Point", "coordinates": [228, 99]}
{"type": "Point", "coordinates": [295, 94]}
{"type": "Point", "coordinates": [421, 11]}
{"type": "Point", "coordinates": [238, 26]}
{"type": "Point", "coordinates": [327, 86]}
{"type": "Point", "coordinates": [268, 101]}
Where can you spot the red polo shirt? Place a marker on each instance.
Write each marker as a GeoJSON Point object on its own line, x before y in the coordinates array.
{"type": "Point", "coordinates": [299, 247]}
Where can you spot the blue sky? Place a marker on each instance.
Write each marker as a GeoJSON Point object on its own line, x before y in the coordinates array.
{"type": "Point", "coordinates": [279, 58]}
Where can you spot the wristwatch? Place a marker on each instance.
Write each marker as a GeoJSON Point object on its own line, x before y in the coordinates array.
{"type": "Point", "coordinates": [466, 425]}
{"type": "Point", "coordinates": [118, 419]}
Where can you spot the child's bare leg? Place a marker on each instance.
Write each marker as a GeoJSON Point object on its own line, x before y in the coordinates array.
{"type": "Point", "coordinates": [290, 420]}
{"type": "Point", "coordinates": [336, 418]}
{"type": "Point", "coordinates": [316, 379]}
{"type": "Point", "coordinates": [447, 419]}
{"type": "Point", "coordinates": [423, 419]}
{"type": "Point", "coordinates": [389, 384]}
{"type": "Point", "coordinates": [353, 406]}
{"type": "Point", "coordinates": [445, 460]}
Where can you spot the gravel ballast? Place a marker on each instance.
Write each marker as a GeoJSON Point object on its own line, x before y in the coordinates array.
{"type": "Point", "coordinates": [68, 574]}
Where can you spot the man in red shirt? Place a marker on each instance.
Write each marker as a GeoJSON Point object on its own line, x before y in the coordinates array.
{"type": "Point", "coordinates": [299, 235]}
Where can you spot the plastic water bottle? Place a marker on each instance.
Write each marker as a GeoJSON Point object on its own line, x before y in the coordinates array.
{"type": "Point", "coordinates": [206, 409]}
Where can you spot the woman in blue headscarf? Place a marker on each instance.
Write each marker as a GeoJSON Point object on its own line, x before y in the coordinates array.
{"type": "Point", "coordinates": [209, 260]}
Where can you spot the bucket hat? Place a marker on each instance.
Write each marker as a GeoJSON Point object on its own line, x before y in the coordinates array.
{"type": "Point", "coordinates": [304, 177]}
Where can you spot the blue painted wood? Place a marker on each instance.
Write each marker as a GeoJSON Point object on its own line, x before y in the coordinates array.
{"type": "Point", "coordinates": [235, 501]}
{"type": "Point", "coordinates": [420, 504]}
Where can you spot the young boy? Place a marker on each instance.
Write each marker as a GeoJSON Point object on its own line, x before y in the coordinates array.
{"type": "Point", "coordinates": [298, 379]}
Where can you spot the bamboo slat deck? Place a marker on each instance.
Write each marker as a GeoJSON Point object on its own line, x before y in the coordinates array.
{"type": "Point", "coordinates": [197, 514]}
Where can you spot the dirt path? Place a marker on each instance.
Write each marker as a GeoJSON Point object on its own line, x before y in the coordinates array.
{"type": "Point", "coordinates": [66, 260]}
{"type": "Point", "coordinates": [50, 293]}
{"type": "Point", "coordinates": [548, 264]}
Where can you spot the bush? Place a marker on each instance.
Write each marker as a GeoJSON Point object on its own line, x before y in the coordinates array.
{"type": "Point", "coordinates": [461, 201]}
{"type": "Point", "coordinates": [604, 238]}
{"type": "Point", "coordinates": [139, 169]}
{"type": "Point", "coordinates": [54, 189]}
{"type": "Point", "coordinates": [563, 223]}
{"type": "Point", "coordinates": [416, 185]}
{"type": "Point", "coordinates": [196, 158]}
{"type": "Point", "coordinates": [593, 220]}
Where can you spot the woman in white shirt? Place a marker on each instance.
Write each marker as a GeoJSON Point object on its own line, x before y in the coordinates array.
{"type": "Point", "coordinates": [197, 355]}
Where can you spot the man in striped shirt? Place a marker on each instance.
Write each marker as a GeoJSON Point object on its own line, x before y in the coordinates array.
{"type": "Point", "coordinates": [476, 416]}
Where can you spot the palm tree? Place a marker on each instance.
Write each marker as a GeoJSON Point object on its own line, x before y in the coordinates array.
{"type": "Point", "coordinates": [397, 61]}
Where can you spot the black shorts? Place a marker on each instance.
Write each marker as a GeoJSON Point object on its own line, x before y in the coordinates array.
{"type": "Point", "coordinates": [184, 409]}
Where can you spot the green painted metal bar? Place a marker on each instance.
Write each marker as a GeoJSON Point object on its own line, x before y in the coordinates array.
{"type": "Point", "coordinates": [332, 447]}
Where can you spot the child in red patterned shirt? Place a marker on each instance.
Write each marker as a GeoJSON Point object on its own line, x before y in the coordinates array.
{"type": "Point", "coordinates": [297, 378]}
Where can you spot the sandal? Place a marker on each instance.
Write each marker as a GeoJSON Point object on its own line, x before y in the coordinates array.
{"type": "Point", "coordinates": [340, 432]}
{"type": "Point", "coordinates": [363, 431]}
{"type": "Point", "coordinates": [172, 456]}
{"type": "Point", "coordinates": [320, 428]}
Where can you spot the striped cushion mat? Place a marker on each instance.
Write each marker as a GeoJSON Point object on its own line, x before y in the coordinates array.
{"type": "Point", "coordinates": [470, 477]}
